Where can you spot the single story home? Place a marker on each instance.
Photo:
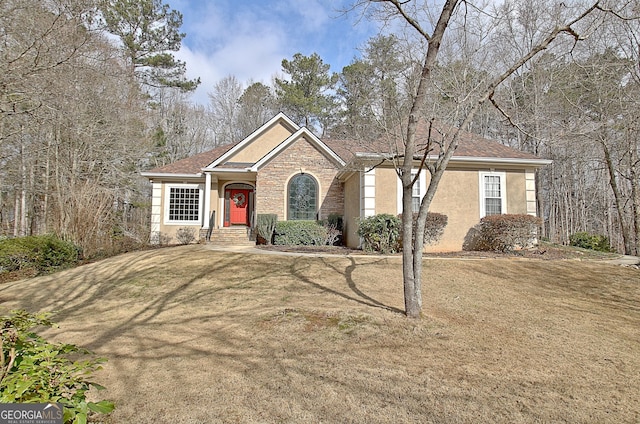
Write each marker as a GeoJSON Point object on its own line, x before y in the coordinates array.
{"type": "Point", "coordinates": [284, 169]}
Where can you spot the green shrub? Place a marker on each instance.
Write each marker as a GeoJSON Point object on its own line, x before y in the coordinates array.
{"type": "Point", "coordinates": [590, 241]}
{"type": "Point", "coordinates": [33, 370]}
{"type": "Point", "coordinates": [504, 233]}
{"type": "Point", "coordinates": [42, 253]}
{"type": "Point", "coordinates": [266, 227]}
{"type": "Point", "coordinates": [300, 233]}
{"type": "Point", "coordinates": [380, 233]}
{"type": "Point", "coordinates": [433, 228]}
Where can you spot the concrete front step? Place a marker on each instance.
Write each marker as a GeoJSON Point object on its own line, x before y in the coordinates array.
{"type": "Point", "coordinates": [231, 236]}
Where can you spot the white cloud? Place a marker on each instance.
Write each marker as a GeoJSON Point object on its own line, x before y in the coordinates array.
{"type": "Point", "coordinates": [248, 40]}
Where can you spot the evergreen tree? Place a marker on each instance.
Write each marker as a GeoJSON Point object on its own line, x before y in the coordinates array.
{"type": "Point", "coordinates": [149, 31]}
{"type": "Point", "coordinates": [305, 95]}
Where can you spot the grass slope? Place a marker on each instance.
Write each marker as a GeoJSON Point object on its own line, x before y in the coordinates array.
{"type": "Point", "coordinates": [196, 336]}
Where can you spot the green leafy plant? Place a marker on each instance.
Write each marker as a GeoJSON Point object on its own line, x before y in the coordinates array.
{"type": "Point", "coordinates": [380, 233]}
{"type": "Point", "coordinates": [41, 253]}
{"type": "Point", "coordinates": [33, 370]}
{"type": "Point", "coordinates": [300, 233]}
{"type": "Point", "coordinates": [266, 227]}
{"type": "Point", "coordinates": [590, 241]}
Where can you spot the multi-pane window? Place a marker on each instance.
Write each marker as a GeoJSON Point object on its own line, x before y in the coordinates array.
{"type": "Point", "coordinates": [492, 192]}
{"type": "Point", "coordinates": [303, 198]}
{"type": "Point", "coordinates": [184, 204]}
{"type": "Point", "coordinates": [492, 195]}
{"type": "Point", "coordinates": [415, 194]}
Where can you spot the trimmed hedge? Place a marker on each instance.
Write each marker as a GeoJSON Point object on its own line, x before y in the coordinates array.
{"type": "Point", "coordinates": [42, 253]}
{"type": "Point", "coordinates": [300, 233]}
{"type": "Point", "coordinates": [504, 233]}
{"type": "Point", "coordinates": [590, 241]}
{"type": "Point", "coordinates": [380, 233]}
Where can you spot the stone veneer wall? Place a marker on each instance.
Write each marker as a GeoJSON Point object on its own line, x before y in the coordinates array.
{"type": "Point", "coordinates": [272, 180]}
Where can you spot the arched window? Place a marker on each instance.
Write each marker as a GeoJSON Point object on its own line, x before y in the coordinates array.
{"type": "Point", "coordinates": [302, 198]}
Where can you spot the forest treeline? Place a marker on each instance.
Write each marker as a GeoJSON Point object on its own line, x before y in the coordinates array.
{"type": "Point", "coordinates": [91, 95]}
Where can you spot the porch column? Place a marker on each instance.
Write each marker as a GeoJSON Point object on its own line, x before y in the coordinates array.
{"type": "Point", "coordinates": [207, 200]}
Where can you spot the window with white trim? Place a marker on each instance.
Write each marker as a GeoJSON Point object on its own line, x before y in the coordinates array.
{"type": "Point", "coordinates": [183, 204]}
{"type": "Point", "coordinates": [493, 196]}
{"type": "Point", "coordinates": [415, 193]}
{"type": "Point", "coordinates": [418, 191]}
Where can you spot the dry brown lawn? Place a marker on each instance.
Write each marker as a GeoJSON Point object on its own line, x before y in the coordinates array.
{"type": "Point", "coordinates": [200, 336]}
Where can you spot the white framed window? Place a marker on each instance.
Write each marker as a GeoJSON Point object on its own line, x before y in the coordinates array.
{"type": "Point", "coordinates": [183, 204]}
{"type": "Point", "coordinates": [417, 193]}
{"type": "Point", "coordinates": [416, 196]}
{"type": "Point", "coordinates": [493, 193]}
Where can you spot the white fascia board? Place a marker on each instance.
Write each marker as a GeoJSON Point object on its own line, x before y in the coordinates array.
{"type": "Point", "coordinates": [295, 136]}
{"type": "Point", "coordinates": [251, 137]}
{"type": "Point", "coordinates": [468, 159]}
{"type": "Point", "coordinates": [235, 170]}
{"type": "Point", "coordinates": [502, 161]}
{"type": "Point", "coordinates": [167, 175]}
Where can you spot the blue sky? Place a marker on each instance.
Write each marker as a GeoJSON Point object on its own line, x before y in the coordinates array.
{"type": "Point", "coordinates": [249, 38]}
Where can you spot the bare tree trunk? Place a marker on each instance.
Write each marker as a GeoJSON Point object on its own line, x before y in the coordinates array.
{"type": "Point", "coordinates": [16, 211]}
{"type": "Point", "coordinates": [23, 191]}
{"type": "Point", "coordinates": [412, 255]}
{"type": "Point", "coordinates": [635, 194]}
{"type": "Point", "coordinates": [613, 182]}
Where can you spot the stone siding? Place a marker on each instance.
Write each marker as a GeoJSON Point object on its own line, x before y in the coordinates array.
{"type": "Point", "coordinates": [301, 156]}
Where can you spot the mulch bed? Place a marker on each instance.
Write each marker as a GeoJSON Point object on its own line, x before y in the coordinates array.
{"type": "Point", "coordinates": [544, 251]}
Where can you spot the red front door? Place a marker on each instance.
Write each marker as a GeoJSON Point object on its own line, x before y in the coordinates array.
{"type": "Point", "coordinates": [239, 207]}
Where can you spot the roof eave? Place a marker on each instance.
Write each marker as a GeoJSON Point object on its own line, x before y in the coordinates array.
{"type": "Point", "coordinates": [218, 169]}
{"type": "Point", "coordinates": [169, 175]}
{"type": "Point", "coordinates": [504, 161]}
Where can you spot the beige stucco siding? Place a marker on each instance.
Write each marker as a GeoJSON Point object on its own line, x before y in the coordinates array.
{"type": "Point", "coordinates": [351, 210]}
{"type": "Point", "coordinates": [516, 192]}
{"type": "Point", "coordinates": [386, 191]}
{"type": "Point", "coordinates": [168, 230]}
{"type": "Point", "coordinates": [266, 142]}
{"type": "Point", "coordinates": [458, 197]}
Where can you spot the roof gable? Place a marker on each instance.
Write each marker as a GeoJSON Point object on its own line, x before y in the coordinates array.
{"type": "Point", "coordinates": [270, 135]}
{"type": "Point", "coordinates": [301, 133]}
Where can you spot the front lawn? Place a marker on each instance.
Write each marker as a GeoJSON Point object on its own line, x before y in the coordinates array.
{"type": "Point", "coordinates": [200, 336]}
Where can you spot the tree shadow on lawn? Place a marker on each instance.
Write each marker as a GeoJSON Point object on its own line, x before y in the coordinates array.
{"type": "Point", "coordinates": [360, 297]}
{"type": "Point", "coordinates": [195, 344]}
{"type": "Point", "coordinates": [154, 339]}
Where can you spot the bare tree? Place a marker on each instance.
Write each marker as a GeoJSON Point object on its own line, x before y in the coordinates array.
{"type": "Point", "coordinates": [70, 124]}
{"type": "Point", "coordinates": [431, 23]}
{"type": "Point", "coordinates": [224, 106]}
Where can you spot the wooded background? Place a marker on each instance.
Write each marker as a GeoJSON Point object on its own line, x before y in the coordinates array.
{"type": "Point", "coordinates": [91, 95]}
